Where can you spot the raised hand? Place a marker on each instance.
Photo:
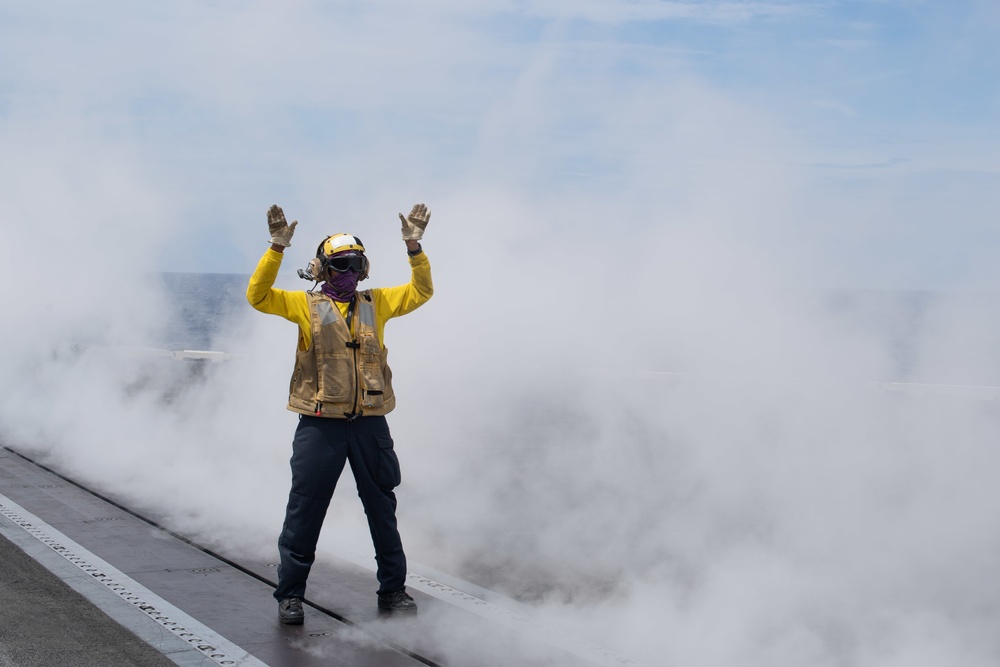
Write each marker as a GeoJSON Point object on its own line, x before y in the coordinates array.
{"type": "Point", "coordinates": [281, 231]}
{"type": "Point", "coordinates": [415, 223]}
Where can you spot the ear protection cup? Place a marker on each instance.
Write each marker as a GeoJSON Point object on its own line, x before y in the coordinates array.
{"type": "Point", "coordinates": [315, 269]}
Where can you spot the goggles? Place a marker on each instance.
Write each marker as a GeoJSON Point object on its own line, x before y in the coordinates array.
{"type": "Point", "coordinates": [343, 263]}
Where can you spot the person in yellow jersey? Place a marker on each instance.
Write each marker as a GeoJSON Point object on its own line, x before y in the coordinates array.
{"type": "Point", "coordinates": [342, 389]}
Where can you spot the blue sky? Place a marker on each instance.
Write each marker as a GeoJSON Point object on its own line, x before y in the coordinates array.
{"type": "Point", "coordinates": [871, 125]}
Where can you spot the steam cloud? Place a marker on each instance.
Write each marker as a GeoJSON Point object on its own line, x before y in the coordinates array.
{"type": "Point", "coordinates": [631, 403]}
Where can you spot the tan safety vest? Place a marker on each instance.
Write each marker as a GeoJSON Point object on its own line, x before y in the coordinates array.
{"type": "Point", "coordinates": [340, 375]}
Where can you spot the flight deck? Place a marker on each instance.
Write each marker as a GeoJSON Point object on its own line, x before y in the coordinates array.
{"type": "Point", "coordinates": [102, 584]}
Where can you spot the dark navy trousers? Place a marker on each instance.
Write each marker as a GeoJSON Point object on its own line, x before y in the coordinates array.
{"type": "Point", "coordinates": [320, 449]}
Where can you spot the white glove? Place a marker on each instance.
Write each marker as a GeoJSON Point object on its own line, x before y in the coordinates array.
{"type": "Point", "coordinates": [415, 223]}
{"type": "Point", "coordinates": [281, 231]}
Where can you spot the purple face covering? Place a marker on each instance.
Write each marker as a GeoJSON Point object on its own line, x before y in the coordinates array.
{"type": "Point", "coordinates": [341, 287]}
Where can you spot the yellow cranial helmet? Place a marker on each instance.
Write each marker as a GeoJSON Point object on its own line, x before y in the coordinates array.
{"type": "Point", "coordinates": [339, 243]}
{"type": "Point", "coordinates": [340, 253]}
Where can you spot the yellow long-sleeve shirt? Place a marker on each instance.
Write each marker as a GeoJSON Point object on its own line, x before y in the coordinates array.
{"type": "Point", "coordinates": [293, 305]}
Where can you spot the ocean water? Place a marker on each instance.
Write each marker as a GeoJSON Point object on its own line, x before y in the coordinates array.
{"type": "Point", "coordinates": [202, 305]}
{"type": "Point", "coordinates": [959, 331]}
{"type": "Point", "coordinates": [928, 337]}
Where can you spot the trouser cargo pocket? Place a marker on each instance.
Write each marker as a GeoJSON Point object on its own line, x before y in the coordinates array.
{"type": "Point", "coordinates": [387, 474]}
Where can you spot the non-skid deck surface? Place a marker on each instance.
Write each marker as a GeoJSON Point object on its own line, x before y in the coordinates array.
{"type": "Point", "coordinates": [201, 608]}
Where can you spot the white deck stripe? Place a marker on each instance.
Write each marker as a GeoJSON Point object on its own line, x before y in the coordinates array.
{"type": "Point", "coordinates": [199, 637]}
